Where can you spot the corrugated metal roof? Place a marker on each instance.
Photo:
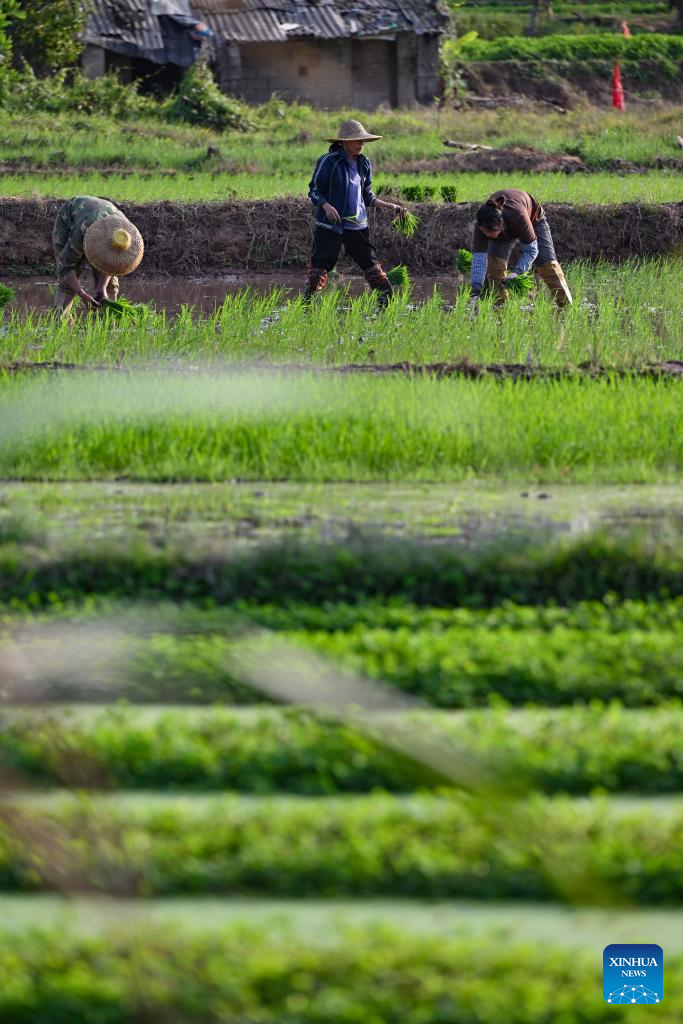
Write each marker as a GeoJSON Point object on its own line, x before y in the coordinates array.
{"type": "Point", "coordinates": [124, 26]}
{"type": "Point", "coordinates": [129, 28]}
{"type": "Point", "coordinates": [263, 20]}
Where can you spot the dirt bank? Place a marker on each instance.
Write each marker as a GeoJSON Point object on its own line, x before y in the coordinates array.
{"type": "Point", "coordinates": [570, 82]}
{"type": "Point", "coordinates": [672, 369]}
{"type": "Point", "coordinates": [209, 238]}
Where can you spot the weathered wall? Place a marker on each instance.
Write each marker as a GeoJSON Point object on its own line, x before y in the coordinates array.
{"type": "Point", "coordinates": [211, 238]}
{"type": "Point", "coordinates": [363, 73]}
{"type": "Point", "coordinates": [319, 73]}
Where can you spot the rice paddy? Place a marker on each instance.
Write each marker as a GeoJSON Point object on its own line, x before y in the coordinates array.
{"type": "Point", "coordinates": [340, 649]}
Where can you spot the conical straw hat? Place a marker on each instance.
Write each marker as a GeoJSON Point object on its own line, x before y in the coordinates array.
{"type": "Point", "coordinates": [353, 131]}
{"type": "Point", "coordinates": [113, 245]}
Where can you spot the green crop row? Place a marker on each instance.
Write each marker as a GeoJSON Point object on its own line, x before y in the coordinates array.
{"type": "Point", "coordinates": [363, 567]}
{"type": "Point", "coordinates": [373, 976]}
{"type": "Point", "coordinates": [353, 428]}
{"type": "Point", "coordinates": [647, 46]}
{"type": "Point", "coordinates": [624, 316]}
{"type": "Point", "coordinates": [449, 668]}
{"type": "Point", "coordinates": [489, 847]}
{"type": "Point", "coordinates": [608, 616]}
{"type": "Point", "coordinates": [293, 751]}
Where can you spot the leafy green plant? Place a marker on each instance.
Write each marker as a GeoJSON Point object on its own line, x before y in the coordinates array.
{"type": "Point", "coordinates": [72, 91]}
{"type": "Point", "coordinates": [7, 294]}
{"type": "Point", "coordinates": [199, 101]}
{"type": "Point", "coordinates": [449, 193]}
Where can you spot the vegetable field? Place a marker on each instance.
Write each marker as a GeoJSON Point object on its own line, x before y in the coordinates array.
{"type": "Point", "coordinates": [341, 648]}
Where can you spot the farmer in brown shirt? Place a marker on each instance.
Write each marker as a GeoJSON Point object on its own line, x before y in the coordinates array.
{"type": "Point", "coordinates": [508, 217]}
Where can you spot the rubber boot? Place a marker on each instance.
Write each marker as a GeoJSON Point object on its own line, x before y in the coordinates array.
{"type": "Point", "coordinates": [316, 281]}
{"type": "Point", "coordinates": [380, 283]}
{"type": "Point", "coordinates": [496, 269]}
{"type": "Point", "coordinates": [552, 274]}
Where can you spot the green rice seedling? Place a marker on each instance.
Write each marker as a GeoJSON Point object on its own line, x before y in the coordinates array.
{"type": "Point", "coordinates": [464, 261]}
{"type": "Point", "coordinates": [399, 276]}
{"type": "Point", "coordinates": [7, 294]}
{"type": "Point", "coordinates": [122, 309]}
{"type": "Point", "coordinates": [413, 193]}
{"type": "Point", "coordinates": [406, 223]}
{"type": "Point", "coordinates": [449, 193]}
{"type": "Point", "coordinates": [520, 285]}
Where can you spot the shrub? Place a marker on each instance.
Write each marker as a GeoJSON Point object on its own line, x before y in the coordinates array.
{"type": "Point", "coordinates": [72, 91]}
{"type": "Point", "coordinates": [199, 101]}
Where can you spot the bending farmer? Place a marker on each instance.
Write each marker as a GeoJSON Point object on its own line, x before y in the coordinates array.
{"type": "Point", "coordinates": [93, 230]}
{"type": "Point", "coordinates": [508, 217]}
{"type": "Point", "coordinates": [341, 191]}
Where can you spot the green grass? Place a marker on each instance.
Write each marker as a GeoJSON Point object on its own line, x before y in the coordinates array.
{"type": "Point", "coordinates": [646, 46]}
{"type": "Point", "coordinates": [289, 138]}
{"type": "Point", "coordinates": [421, 846]}
{"type": "Point", "coordinates": [623, 317]}
{"type": "Point", "coordinates": [267, 751]}
{"type": "Point", "coordinates": [368, 975]}
{"type": "Point", "coordinates": [654, 187]}
{"type": "Point", "coordinates": [303, 427]}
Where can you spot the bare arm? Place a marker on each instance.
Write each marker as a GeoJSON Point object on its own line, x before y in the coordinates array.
{"type": "Point", "coordinates": [74, 285]}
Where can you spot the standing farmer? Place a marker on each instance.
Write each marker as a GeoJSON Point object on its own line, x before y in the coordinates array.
{"type": "Point", "coordinates": [341, 191]}
{"type": "Point", "coordinates": [511, 216]}
{"type": "Point", "coordinates": [93, 230]}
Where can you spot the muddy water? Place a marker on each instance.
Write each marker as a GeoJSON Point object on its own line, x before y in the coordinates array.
{"type": "Point", "coordinates": [170, 293]}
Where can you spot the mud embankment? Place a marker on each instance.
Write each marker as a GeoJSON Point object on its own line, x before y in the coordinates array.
{"type": "Point", "coordinates": [210, 238]}
{"type": "Point", "coordinates": [570, 82]}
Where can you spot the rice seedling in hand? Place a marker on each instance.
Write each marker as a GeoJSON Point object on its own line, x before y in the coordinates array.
{"type": "Point", "coordinates": [6, 294]}
{"type": "Point", "coordinates": [464, 261]}
{"type": "Point", "coordinates": [520, 285]}
{"type": "Point", "coordinates": [121, 309]}
{"type": "Point", "coordinates": [407, 223]}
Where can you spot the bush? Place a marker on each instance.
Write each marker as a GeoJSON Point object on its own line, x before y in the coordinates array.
{"type": "Point", "coordinates": [49, 35]}
{"type": "Point", "coordinates": [199, 101]}
{"type": "Point", "coordinates": [72, 91]}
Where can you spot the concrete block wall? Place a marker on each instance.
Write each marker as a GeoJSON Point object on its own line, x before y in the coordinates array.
{"type": "Point", "coordinates": [317, 73]}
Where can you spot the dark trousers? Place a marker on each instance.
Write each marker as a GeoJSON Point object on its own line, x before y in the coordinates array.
{"type": "Point", "coordinates": [327, 247]}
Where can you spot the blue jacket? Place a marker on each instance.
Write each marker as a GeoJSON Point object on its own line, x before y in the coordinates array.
{"type": "Point", "coordinates": [330, 184]}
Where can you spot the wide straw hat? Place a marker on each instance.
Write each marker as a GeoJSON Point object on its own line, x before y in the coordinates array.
{"type": "Point", "coordinates": [353, 131]}
{"type": "Point", "coordinates": [113, 245]}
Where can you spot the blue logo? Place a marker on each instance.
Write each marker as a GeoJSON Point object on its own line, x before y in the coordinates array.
{"type": "Point", "coordinates": [633, 973]}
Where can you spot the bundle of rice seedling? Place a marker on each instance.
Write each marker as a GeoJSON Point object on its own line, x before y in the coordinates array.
{"type": "Point", "coordinates": [464, 261]}
{"type": "Point", "coordinates": [122, 309]}
{"type": "Point", "coordinates": [399, 277]}
{"type": "Point", "coordinates": [521, 285]}
{"type": "Point", "coordinates": [413, 193]}
{"type": "Point", "coordinates": [407, 223]}
{"type": "Point", "coordinates": [449, 193]}
{"type": "Point", "coordinates": [6, 294]}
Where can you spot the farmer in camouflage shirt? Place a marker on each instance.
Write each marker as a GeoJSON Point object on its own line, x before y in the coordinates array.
{"type": "Point", "coordinates": [106, 256]}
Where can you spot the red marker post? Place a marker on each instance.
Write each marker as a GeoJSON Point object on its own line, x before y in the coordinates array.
{"type": "Point", "coordinates": [617, 87]}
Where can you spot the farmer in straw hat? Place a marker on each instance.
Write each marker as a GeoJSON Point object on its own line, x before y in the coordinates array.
{"type": "Point", "coordinates": [507, 217]}
{"type": "Point", "coordinates": [93, 230]}
{"type": "Point", "coordinates": [341, 191]}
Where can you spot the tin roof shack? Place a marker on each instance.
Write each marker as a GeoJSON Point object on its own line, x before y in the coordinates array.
{"type": "Point", "coordinates": [155, 40]}
{"type": "Point", "coordinates": [329, 53]}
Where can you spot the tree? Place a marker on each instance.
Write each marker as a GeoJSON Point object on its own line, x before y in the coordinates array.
{"type": "Point", "coordinates": [9, 11]}
{"type": "Point", "coordinates": [49, 34]}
